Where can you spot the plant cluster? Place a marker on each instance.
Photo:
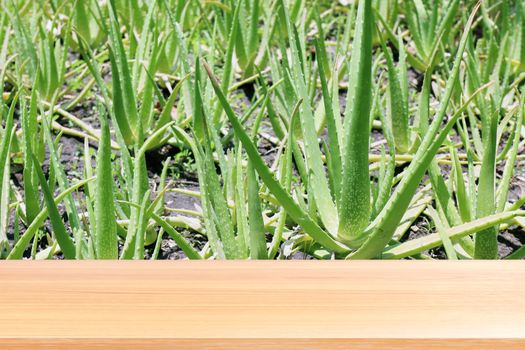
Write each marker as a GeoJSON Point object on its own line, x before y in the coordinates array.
{"type": "Point", "coordinates": [328, 129]}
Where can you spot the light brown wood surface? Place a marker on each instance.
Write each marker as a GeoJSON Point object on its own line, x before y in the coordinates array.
{"type": "Point", "coordinates": [262, 305]}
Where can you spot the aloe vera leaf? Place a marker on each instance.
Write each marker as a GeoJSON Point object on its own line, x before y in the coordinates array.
{"type": "Point", "coordinates": [119, 103]}
{"type": "Point", "coordinates": [402, 70]}
{"type": "Point", "coordinates": [240, 210]}
{"type": "Point", "coordinates": [147, 92]}
{"type": "Point", "coordinates": [517, 254]}
{"type": "Point", "coordinates": [228, 60]}
{"type": "Point", "coordinates": [141, 228]}
{"type": "Point", "coordinates": [414, 25]}
{"type": "Point", "coordinates": [443, 195]}
{"type": "Point", "coordinates": [347, 32]}
{"type": "Point", "coordinates": [240, 46]}
{"type": "Point", "coordinates": [441, 228]}
{"type": "Point", "coordinates": [144, 44]}
{"type": "Point", "coordinates": [64, 241]}
{"type": "Point", "coordinates": [354, 209]}
{"type": "Point", "coordinates": [105, 238]}
{"type": "Point", "coordinates": [30, 130]}
{"type": "Point", "coordinates": [253, 35]}
{"type": "Point", "coordinates": [331, 123]}
{"type": "Point", "coordinates": [486, 243]}
{"type": "Point", "coordinates": [385, 186]}
{"type": "Point", "coordinates": [159, 208]}
{"type": "Point", "coordinates": [139, 187]}
{"type": "Point", "coordinates": [510, 164]}
{"type": "Point", "coordinates": [257, 237]}
{"type": "Point", "coordinates": [187, 87]}
{"type": "Point", "coordinates": [89, 192]}
{"type": "Point", "coordinates": [462, 199]}
{"type": "Point", "coordinates": [286, 182]}
{"type": "Point", "coordinates": [122, 80]}
{"type": "Point", "coordinates": [521, 15]}
{"type": "Point", "coordinates": [6, 136]}
{"type": "Point", "coordinates": [419, 245]}
{"type": "Point", "coordinates": [277, 124]}
{"type": "Point", "coordinates": [398, 111]}
{"type": "Point", "coordinates": [4, 208]}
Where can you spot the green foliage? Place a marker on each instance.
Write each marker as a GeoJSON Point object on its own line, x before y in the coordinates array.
{"type": "Point", "coordinates": [106, 229]}
{"type": "Point", "coordinates": [333, 129]}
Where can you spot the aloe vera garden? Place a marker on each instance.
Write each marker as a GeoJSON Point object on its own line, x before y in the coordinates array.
{"type": "Point", "coordinates": [248, 129]}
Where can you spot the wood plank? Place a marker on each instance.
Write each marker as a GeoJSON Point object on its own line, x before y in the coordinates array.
{"type": "Point", "coordinates": [262, 305]}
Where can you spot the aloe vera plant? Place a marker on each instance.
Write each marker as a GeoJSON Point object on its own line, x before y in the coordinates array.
{"type": "Point", "coordinates": [330, 130]}
{"type": "Point", "coordinates": [380, 231]}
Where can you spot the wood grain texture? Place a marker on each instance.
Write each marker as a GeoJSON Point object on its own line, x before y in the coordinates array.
{"type": "Point", "coordinates": [262, 305]}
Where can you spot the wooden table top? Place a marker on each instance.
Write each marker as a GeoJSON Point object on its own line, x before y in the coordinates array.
{"type": "Point", "coordinates": [262, 305]}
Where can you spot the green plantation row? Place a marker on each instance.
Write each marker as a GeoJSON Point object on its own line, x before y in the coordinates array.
{"type": "Point", "coordinates": [381, 116]}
